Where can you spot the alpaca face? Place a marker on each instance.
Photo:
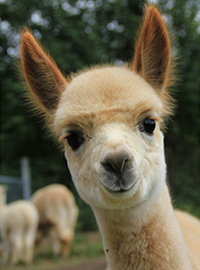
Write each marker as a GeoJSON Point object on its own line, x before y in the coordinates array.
{"type": "Point", "coordinates": [108, 120]}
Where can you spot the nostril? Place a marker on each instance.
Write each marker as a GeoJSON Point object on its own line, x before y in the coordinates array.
{"type": "Point", "coordinates": [108, 167]}
{"type": "Point", "coordinates": [115, 164]}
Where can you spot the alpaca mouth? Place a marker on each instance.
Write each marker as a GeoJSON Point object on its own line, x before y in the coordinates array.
{"type": "Point", "coordinates": [118, 183]}
{"type": "Point", "coordinates": [119, 189]}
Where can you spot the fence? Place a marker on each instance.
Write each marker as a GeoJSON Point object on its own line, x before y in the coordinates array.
{"type": "Point", "coordinates": [18, 187]}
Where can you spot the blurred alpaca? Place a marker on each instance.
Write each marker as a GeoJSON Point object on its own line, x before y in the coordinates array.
{"type": "Point", "coordinates": [58, 215]}
{"type": "Point", "coordinates": [109, 120]}
{"type": "Point", "coordinates": [18, 226]}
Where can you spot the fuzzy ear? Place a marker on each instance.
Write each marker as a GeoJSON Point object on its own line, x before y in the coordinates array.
{"type": "Point", "coordinates": [152, 53]}
{"type": "Point", "coordinates": [41, 73]}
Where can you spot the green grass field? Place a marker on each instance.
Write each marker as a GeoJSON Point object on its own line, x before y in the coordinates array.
{"type": "Point", "coordinates": [86, 247]}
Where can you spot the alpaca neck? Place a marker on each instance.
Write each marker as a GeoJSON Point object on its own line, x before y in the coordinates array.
{"type": "Point", "coordinates": [152, 240]}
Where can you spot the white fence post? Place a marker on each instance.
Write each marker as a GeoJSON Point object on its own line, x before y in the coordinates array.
{"type": "Point", "coordinates": [26, 177]}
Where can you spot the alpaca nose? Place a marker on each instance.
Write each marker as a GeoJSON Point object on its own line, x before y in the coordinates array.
{"type": "Point", "coordinates": [116, 160]}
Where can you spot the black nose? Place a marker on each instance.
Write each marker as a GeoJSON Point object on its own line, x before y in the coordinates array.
{"type": "Point", "coordinates": [116, 161]}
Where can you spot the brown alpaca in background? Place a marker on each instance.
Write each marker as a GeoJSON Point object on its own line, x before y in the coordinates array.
{"type": "Point", "coordinates": [58, 214]}
{"type": "Point", "coordinates": [109, 121]}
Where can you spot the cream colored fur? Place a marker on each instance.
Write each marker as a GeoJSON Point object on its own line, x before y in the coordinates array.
{"type": "Point", "coordinates": [18, 226]}
{"type": "Point", "coordinates": [58, 215]}
{"type": "Point", "coordinates": [3, 196]}
{"type": "Point", "coordinates": [105, 120]}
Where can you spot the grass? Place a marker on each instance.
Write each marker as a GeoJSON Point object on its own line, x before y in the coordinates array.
{"type": "Point", "coordinates": [86, 246]}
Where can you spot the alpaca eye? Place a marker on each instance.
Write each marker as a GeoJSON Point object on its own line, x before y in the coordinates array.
{"type": "Point", "coordinates": [75, 140]}
{"type": "Point", "coordinates": [148, 126]}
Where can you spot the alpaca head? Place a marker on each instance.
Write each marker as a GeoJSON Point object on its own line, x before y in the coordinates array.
{"type": "Point", "coordinates": [108, 118]}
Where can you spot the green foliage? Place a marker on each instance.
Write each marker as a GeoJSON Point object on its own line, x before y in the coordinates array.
{"type": "Point", "coordinates": [82, 33]}
{"type": "Point", "coordinates": [182, 140]}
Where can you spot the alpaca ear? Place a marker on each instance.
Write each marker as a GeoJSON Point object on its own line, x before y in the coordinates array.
{"type": "Point", "coordinates": [152, 52]}
{"type": "Point", "coordinates": [44, 79]}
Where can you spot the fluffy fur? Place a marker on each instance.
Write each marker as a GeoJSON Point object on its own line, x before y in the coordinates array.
{"type": "Point", "coordinates": [58, 215]}
{"type": "Point", "coordinates": [117, 166]}
{"type": "Point", "coordinates": [18, 226]}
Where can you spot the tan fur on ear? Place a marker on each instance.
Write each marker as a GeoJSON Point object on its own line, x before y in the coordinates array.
{"type": "Point", "coordinates": [41, 73]}
{"type": "Point", "coordinates": [152, 54]}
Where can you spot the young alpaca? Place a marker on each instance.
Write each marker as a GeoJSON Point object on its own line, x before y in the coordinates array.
{"type": "Point", "coordinates": [18, 226]}
{"type": "Point", "coordinates": [3, 196]}
{"type": "Point", "coordinates": [58, 215]}
{"type": "Point", "coordinates": [109, 121]}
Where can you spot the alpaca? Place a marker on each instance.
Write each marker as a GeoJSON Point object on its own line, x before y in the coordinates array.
{"type": "Point", "coordinates": [109, 120]}
{"type": "Point", "coordinates": [3, 196]}
{"type": "Point", "coordinates": [58, 215]}
{"type": "Point", "coordinates": [18, 226]}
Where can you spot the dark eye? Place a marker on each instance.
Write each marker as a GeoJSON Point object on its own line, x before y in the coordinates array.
{"type": "Point", "coordinates": [148, 126]}
{"type": "Point", "coordinates": [75, 140]}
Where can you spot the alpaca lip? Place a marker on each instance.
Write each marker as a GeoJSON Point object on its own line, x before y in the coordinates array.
{"type": "Point", "coordinates": [120, 191]}
{"type": "Point", "coordinates": [118, 183]}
